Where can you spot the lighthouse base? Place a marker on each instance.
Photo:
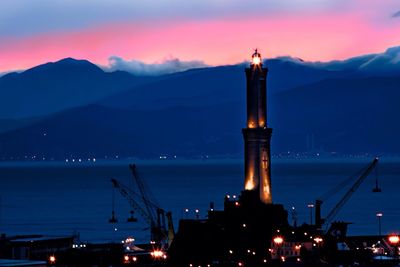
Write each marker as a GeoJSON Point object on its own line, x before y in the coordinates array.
{"type": "Point", "coordinates": [242, 231]}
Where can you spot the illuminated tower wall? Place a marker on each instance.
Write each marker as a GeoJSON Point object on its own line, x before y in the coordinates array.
{"type": "Point", "coordinates": [257, 135]}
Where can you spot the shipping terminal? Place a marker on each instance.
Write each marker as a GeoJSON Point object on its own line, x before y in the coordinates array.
{"type": "Point", "coordinates": [251, 230]}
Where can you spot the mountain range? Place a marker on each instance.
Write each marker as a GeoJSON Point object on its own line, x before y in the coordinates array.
{"type": "Point", "coordinates": [73, 108]}
{"type": "Point", "coordinates": [53, 87]}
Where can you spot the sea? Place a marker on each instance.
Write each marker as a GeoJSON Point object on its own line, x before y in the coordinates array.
{"type": "Point", "coordinates": [65, 198]}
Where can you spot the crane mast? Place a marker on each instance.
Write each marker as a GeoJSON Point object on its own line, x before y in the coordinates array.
{"type": "Point", "coordinates": [320, 221]}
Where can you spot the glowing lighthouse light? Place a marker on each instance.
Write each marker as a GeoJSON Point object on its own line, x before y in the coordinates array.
{"type": "Point", "coordinates": [256, 58]}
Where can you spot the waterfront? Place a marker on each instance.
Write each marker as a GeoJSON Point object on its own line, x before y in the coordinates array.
{"type": "Point", "coordinates": [59, 198]}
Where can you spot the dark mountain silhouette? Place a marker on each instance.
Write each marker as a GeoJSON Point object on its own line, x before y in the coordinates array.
{"type": "Point", "coordinates": [213, 85]}
{"type": "Point", "coordinates": [346, 115]}
{"type": "Point", "coordinates": [343, 106]}
{"type": "Point", "coordinates": [69, 83]}
{"type": "Point", "coordinates": [343, 115]}
{"type": "Point", "coordinates": [53, 87]}
{"type": "Point", "coordinates": [11, 124]}
{"type": "Point", "coordinates": [97, 131]}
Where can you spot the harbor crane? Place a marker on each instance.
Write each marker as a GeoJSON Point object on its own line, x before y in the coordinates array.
{"type": "Point", "coordinates": [363, 174]}
{"type": "Point", "coordinates": [144, 204]}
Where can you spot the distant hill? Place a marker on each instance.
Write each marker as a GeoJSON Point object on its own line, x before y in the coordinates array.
{"type": "Point", "coordinates": [68, 83]}
{"type": "Point", "coordinates": [53, 87]}
{"type": "Point", "coordinates": [11, 124]}
{"type": "Point", "coordinates": [354, 115]}
{"type": "Point", "coordinates": [343, 115]}
{"type": "Point", "coordinates": [342, 106]}
{"type": "Point", "coordinates": [214, 85]}
{"type": "Point", "coordinates": [98, 131]}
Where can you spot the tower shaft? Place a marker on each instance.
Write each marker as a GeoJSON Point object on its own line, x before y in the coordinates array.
{"type": "Point", "coordinates": [257, 135]}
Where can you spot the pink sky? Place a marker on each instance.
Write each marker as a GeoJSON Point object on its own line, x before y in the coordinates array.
{"type": "Point", "coordinates": [312, 35]}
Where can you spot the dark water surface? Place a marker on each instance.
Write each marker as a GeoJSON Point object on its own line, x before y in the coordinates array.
{"type": "Point", "coordinates": [61, 198]}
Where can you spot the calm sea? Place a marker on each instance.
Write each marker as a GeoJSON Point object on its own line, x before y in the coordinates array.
{"type": "Point", "coordinates": [65, 198]}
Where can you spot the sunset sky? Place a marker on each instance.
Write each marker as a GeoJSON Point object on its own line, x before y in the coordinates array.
{"type": "Point", "coordinates": [211, 32]}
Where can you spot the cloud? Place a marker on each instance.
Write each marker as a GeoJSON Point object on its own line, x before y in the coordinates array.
{"type": "Point", "coordinates": [388, 62]}
{"type": "Point", "coordinates": [396, 15]}
{"type": "Point", "coordinates": [137, 67]}
{"type": "Point", "coordinates": [350, 64]}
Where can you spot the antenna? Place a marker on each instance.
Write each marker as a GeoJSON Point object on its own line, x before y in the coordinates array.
{"type": "Point", "coordinates": [376, 189]}
{"type": "Point", "coordinates": [294, 216]}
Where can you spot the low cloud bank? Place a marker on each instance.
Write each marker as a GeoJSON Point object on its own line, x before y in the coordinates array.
{"type": "Point", "coordinates": [386, 62]}
{"type": "Point", "coordinates": [389, 61]}
{"type": "Point", "coordinates": [166, 66]}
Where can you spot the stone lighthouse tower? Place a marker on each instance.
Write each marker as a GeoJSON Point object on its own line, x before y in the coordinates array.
{"type": "Point", "coordinates": [248, 222]}
{"type": "Point", "coordinates": [257, 135]}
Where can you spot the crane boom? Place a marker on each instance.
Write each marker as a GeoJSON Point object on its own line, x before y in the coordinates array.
{"type": "Point", "coordinates": [319, 221]}
{"type": "Point", "coordinates": [147, 207]}
{"type": "Point", "coordinates": [128, 194]}
{"type": "Point", "coordinates": [157, 228]}
{"type": "Point", "coordinates": [143, 193]}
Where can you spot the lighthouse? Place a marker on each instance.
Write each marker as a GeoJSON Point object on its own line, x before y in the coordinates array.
{"type": "Point", "coordinates": [248, 221]}
{"type": "Point", "coordinates": [257, 134]}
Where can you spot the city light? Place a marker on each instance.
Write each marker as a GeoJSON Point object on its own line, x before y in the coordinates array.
{"type": "Point", "coordinates": [278, 240]}
{"type": "Point", "coordinates": [52, 259]}
{"type": "Point", "coordinates": [157, 254]}
{"type": "Point", "coordinates": [394, 239]}
{"type": "Point", "coordinates": [129, 240]}
{"type": "Point", "coordinates": [318, 239]}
